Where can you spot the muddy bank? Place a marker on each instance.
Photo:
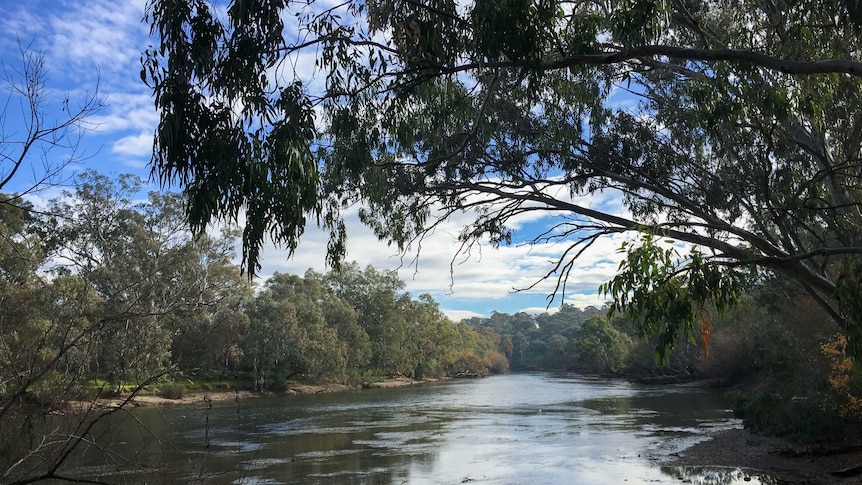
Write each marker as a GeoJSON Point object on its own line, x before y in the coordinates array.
{"type": "Point", "coordinates": [776, 458]}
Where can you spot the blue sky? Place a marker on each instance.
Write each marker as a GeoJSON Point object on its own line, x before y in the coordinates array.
{"type": "Point", "coordinates": [97, 44]}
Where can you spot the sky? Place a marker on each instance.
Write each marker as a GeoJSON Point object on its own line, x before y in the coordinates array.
{"type": "Point", "coordinates": [97, 45]}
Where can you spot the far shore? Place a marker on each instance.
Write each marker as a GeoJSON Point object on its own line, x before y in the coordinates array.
{"type": "Point", "coordinates": [199, 397]}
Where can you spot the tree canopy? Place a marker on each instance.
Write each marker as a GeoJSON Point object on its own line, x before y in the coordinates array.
{"type": "Point", "coordinates": [732, 128]}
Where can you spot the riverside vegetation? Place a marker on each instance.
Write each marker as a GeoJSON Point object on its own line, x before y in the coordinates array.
{"type": "Point", "coordinates": [106, 297]}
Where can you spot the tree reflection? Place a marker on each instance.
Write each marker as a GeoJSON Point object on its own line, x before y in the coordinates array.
{"type": "Point", "coordinates": [718, 475]}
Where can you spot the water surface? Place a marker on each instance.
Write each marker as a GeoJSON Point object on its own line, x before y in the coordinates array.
{"type": "Point", "coordinates": [513, 429]}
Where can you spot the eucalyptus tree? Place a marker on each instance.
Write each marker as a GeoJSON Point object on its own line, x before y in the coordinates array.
{"type": "Point", "coordinates": [731, 129]}
{"type": "Point", "coordinates": [45, 331]}
{"type": "Point", "coordinates": [96, 284]}
{"type": "Point", "coordinates": [155, 278]}
{"type": "Point", "coordinates": [99, 233]}
{"type": "Point", "coordinates": [48, 328]}
{"type": "Point", "coordinates": [601, 348]}
{"type": "Point", "coordinates": [314, 345]}
{"type": "Point", "coordinates": [382, 309]}
{"type": "Point", "coordinates": [288, 337]}
{"type": "Point", "coordinates": [342, 316]}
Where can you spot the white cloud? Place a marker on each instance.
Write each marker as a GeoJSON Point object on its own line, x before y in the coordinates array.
{"type": "Point", "coordinates": [127, 110]}
{"type": "Point", "coordinates": [106, 33]}
{"type": "Point", "coordinates": [135, 145]}
{"type": "Point", "coordinates": [458, 315]}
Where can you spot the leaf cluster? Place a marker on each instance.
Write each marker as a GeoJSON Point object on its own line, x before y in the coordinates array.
{"type": "Point", "coordinates": [236, 142]}
{"type": "Point", "coordinates": [670, 296]}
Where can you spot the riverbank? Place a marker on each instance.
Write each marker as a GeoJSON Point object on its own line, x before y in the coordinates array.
{"type": "Point", "coordinates": [200, 397]}
{"type": "Point", "coordinates": [776, 458]}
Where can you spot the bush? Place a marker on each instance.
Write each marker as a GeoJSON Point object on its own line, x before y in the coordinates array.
{"type": "Point", "coordinates": [429, 368]}
{"type": "Point", "coordinates": [172, 391]}
{"type": "Point", "coordinates": [496, 362]}
{"type": "Point", "coordinates": [600, 348]}
{"type": "Point", "coordinates": [48, 392]}
{"type": "Point", "coordinates": [465, 363]}
{"type": "Point", "coordinates": [800, 418]}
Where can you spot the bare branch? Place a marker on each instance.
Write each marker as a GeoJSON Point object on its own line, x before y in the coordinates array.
{"type": "Point", "coordinates": [27, 88]}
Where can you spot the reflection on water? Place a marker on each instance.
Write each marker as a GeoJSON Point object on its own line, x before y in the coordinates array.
{"type": "Point", "coordinates": [521, 428]}
{"type": "Point", "coordinates": [719, 476]}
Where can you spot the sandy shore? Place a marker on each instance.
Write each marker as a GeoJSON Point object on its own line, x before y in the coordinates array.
{"type": "Point", "coordinates": [221, 396]}
{"type": "Point", "coordinates": [776, 458]}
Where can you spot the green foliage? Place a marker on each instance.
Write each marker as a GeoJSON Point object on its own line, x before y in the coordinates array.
{"type": "Point", "coordinates": [230, 138]}
{"type": "Point", "coordinates": [801, 418]}
{"type": "Point", "coordinates": [172, 391]}
{"type": "Point", "coordinates": [96, 295]}
{"type": "Point", "coordinates": [514, 30]}
{"type": "Point", "coordinates": [600, 348]}
{"type": "Point", "coordinates": [465, 363]}
{"type": "Point", "coordinates": [849, 294]}
{"type": "Point", "coordinates": [639, 22]}
{"type": "Point", "coordinates": [667, 295]}
{"type": "Point", "coordinates": [786, 389]}
{"type": "Point", "coordinates": [545, 341]}
{"type": "Point", "coordinates": [353, 325]}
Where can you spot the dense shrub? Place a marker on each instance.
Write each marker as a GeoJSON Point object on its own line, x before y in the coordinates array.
{"type": "Point", "coordinates": [496, 362]}
{"type": "Point", "coordinates": [172, 391]}
{"type": "Point", "coordinates": [465, 363]}
{"type": "Point", "coordinates": [802, 418]}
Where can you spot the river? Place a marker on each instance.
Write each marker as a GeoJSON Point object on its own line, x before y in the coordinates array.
{"type": "Point", "coordinates": [513, 429]}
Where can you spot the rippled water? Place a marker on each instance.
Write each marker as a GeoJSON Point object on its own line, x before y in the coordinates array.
{"type": "Point", "coordinates": [513, 429]}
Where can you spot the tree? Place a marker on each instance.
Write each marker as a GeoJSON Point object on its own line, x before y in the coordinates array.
{"type": "Point", "coordinates": [46, 324]}
{"type": "Point", "coordinates": [100, 234]}
{"type": "Point", "coordinates": [730, 130]}
{"type": "Point", "coordinates": [601, 348]}
{"type": "Point", "coordinates": [247, 149]}
{"type": "Point", "coordinates": [152, 280]}
{"type": "Point", "coordinates": [381, 308]}
{"type": "Point", "coordinates": [289, 335]}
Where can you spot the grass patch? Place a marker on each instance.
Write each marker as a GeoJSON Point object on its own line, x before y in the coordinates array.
{"type": "Point", "coordinates": [104, 388]}
{"type": "Point", "coordinates": [177, 389]}
{"type": "Point", "coordinates": [204, 385]}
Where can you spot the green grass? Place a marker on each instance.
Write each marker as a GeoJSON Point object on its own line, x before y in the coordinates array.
{"type": "Point", "coordinates": [97, 386]}
{"type": "Point", "coordinates": [102, 385]}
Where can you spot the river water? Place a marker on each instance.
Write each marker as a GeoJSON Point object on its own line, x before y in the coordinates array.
{"type": "Point", "coordinates": [513, 429]}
